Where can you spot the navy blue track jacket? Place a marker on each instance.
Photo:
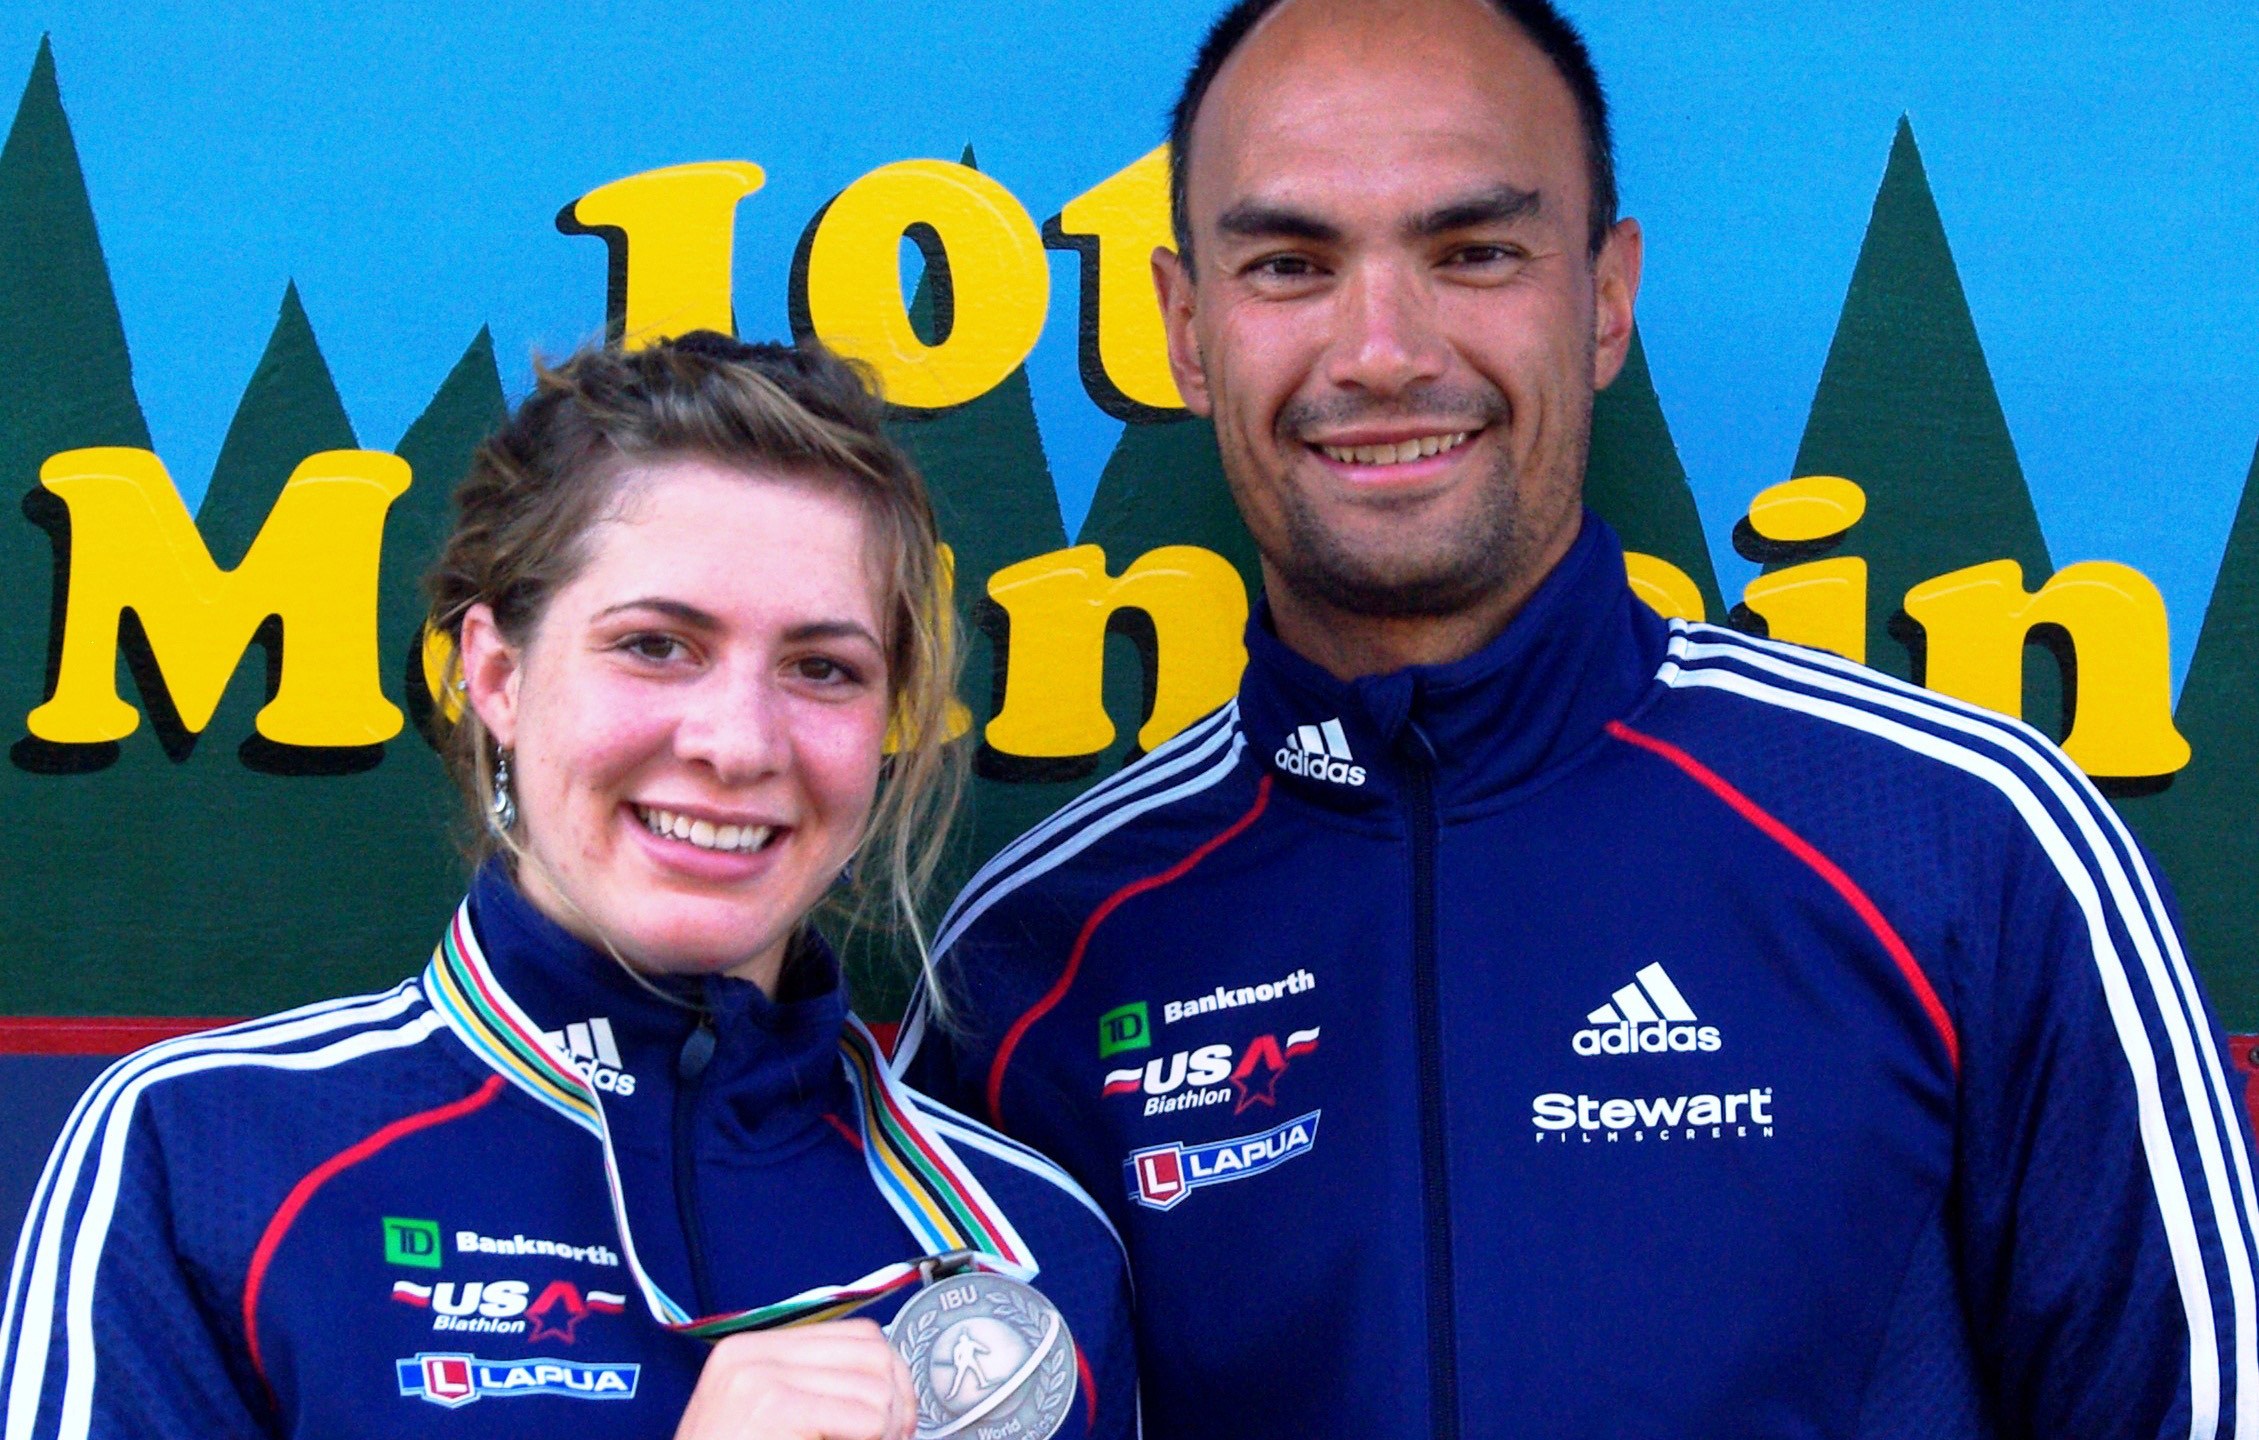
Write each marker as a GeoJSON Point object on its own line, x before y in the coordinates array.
{"type": "Point", "coordinates": [339, 1221]}
{"type": "Point", "coordinates": [1629, 1030]}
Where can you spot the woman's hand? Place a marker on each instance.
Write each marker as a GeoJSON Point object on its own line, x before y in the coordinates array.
{"type": "Point", "coordinates": [836, 1381]}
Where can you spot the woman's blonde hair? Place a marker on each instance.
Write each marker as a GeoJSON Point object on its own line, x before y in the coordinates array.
{"type": "Point", "coordinates": [540, 484]}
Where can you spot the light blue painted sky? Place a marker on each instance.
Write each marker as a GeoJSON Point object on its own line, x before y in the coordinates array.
{"type": "Point", "coordinates": [2094, 163]}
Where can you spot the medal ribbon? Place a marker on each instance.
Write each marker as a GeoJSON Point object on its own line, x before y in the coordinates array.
{"type": "Point", "coordinates": [938, 1199]}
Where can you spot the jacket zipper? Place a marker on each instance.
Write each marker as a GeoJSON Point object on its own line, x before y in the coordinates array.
{"type": "Point", "coordinates": [1435, 1174]}
{"type": "Point", "coordinates": [690, 1065]}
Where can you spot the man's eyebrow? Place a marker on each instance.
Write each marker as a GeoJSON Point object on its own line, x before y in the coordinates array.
{"type": "Point", "coordinates": [1497, 206]}
{"type": "Point", "coordinates": [1256, 220]}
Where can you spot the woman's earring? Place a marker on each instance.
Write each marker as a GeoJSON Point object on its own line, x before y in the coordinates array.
{"type": "Point", "coordinates": [503, 805]}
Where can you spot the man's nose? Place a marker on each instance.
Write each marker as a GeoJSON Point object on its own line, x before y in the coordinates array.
{"type": "Point", "coordinates": [1386, 338]}
{"type": "Point", "coordinates": [733, 723]}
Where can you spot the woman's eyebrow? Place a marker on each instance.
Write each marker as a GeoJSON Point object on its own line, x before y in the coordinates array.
{"type": "Point", "coordinates": [672, 609]}
{"type": "Point", "coordinates": [829, 630]}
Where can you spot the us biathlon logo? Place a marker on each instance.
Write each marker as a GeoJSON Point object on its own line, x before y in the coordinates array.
{"type": "Point", "coordinates": [1647, 1017]}
{"type": "Point", "coordinates": [456, 1380]}
{"type": "Point", "coordinates": [1320, 752]}
{"type": "Point", "coordinates": [503, 1307]}
{"type": "Point", "coordinates": [589, 1045]}
{"type": "Point", "coordinates": [1254, 1075]}
{"type": "Point", "coordinates": [1160, 1176]}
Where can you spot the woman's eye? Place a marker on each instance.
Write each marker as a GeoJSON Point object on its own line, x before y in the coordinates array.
{"type": "Point", "coordinates": [824, 670]}
{"type": "Point", "coordinates": [653, 647]}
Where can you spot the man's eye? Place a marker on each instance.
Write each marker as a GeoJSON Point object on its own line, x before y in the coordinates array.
{"type": "Point", "coordinates": [1484, 255]}
{"type": "Point", "coordinates": [1283, 267]}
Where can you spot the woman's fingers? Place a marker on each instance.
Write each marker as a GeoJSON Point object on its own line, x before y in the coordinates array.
{"type": "Point", "coordinates": [837, 1381]}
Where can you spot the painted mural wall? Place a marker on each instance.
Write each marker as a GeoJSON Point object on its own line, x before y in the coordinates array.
{"type": "Point", "coordinates": [220, 703]}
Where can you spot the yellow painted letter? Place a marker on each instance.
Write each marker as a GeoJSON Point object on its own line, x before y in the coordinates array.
{"type": "Point", "coordinates": [1054, 679]}
{"type": "Point", "coordinates": [1669, 591]}
{"type": "Point", "coordinates": [1975, 622]}
{"type": "Point", "coordinates": [849, 291]}
{"type": "Point", "coordinates": [671, 234]}
{"type": "Point", "coordinates": [1822, 603]}
{"type": "Point", "coordinates": [1117, 225]}
{"type": "Point", "coordinates": [314, 564]}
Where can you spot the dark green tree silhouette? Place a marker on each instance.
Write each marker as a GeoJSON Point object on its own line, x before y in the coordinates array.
{"type": "Point", "coordinates": [290, 410]}
{"type": "Point", "coordinates": [1906, 409]}
{"type": "Point", "coordinates": [88, 829]}
{"type": "Point", "coordinates": [1634, 481]}
{"type": "Point", "coordinates": [994, 501]}
{"type": "Point", "coordinates": [1164, 485]}
{"type": "Point", "coordinates": [65, 378]}
{"type": "Point", "coordinates": [2204, 829]}
{"type": "Point", "coordinates": [313, 872]}
{"type": "Point", "coordinates": [469, 407]}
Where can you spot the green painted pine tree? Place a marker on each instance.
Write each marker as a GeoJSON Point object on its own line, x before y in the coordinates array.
{"type": "Point", "coordinates": [468, 407]}
{"type": "Point", "coordinates": [1907, 410]}
{"type": "Point", "coordinates": [293, 875]}
{"type": "Point", "coordinates": [1164, 485]}
{"type": "Point", "coordinates": [65, 381]}
{"type": "Point", "coordinates": [994, 501]}
{"type": "Point", "coordinates": [1634, 481]}
{"type": "Point", "coordinates": [2204, 829]}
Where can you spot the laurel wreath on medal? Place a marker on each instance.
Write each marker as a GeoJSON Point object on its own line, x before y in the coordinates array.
{"type": "Point", "coordinates": [1018, 1308]}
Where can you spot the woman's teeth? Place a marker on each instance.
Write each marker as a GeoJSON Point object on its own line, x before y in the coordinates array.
{"type": "Point", "coordinates": [1397, 452]}
{"type": "Point", "coordinates": [705, 834]}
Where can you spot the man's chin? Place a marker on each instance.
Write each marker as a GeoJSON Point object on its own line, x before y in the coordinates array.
{"type": "Point", "coordinates": [1394, 592]}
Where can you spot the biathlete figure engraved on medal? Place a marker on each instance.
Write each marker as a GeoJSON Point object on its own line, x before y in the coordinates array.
{"type": "Point", "coordinates": [964, 1359]}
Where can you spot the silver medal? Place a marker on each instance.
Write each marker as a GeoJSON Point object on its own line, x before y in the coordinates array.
{"type": "Point", "coordinates": [991, 1359]}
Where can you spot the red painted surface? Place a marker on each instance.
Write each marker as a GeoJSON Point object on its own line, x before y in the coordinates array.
{"type": "Point", "coordinates": [2244, 1051]}
{"type": "Point", "coordinates": [95, 1034]}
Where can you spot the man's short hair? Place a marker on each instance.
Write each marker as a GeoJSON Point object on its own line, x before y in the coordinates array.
{"type": "Point", "coordinates": [1544, 25]}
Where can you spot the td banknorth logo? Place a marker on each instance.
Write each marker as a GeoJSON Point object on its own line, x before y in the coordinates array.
{"type": "Point", "coordinates": [1320, 752]}
{"type": "Point", "coordinates": [1647, 1017]}
{"type": "Point", "coordinates": [589, 1045]}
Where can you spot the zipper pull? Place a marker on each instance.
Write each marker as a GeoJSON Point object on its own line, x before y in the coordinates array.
{"type": "Point", "coordinates": [1421, 750]}
{"type": "Point", "coordinates": [697, 1052]}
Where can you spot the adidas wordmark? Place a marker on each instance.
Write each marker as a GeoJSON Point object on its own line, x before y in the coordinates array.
{"type": "Point", "coordinates": [1647, 1017]}
{"type": "Point", "coordinates": [1320, 752]}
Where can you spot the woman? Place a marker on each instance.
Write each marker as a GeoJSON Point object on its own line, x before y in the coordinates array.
{"type": "Point", "coordinates": [693, 593]}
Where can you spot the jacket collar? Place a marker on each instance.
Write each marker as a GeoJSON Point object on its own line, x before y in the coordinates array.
{"type": "Point", "coordinates": [1579, 654]}
{"type": "Point", "coordinates": [770, 1057]}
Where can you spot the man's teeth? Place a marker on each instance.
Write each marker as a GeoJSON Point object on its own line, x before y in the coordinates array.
{"type": "Point", "coordinates": [705, 834]}
{"type": "Point", "coordinates": [1398, 452]}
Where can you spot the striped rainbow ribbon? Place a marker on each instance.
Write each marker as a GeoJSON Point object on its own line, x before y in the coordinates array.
{"type": "Point", "coordinates": [944, 1207]}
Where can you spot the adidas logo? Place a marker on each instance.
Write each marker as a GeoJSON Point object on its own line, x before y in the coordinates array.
{"type": "Point", "coordinates": [594, 1053]}
{"type": "Point", "coordinates": [1320, 752]}
{"type": "Point", "coordinates": [1647, 1017]}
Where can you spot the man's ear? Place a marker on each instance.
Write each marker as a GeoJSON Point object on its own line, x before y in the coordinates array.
{"type": "Point", "coordinates": [490, 667]}
{"type": "Point", "coordinates": [1615, 286]}
{"type": "Point", "coordinates": [1172, 283]}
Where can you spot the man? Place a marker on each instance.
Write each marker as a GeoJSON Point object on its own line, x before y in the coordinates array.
{"type": "Point", "coordinates": [1515, 1016]}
